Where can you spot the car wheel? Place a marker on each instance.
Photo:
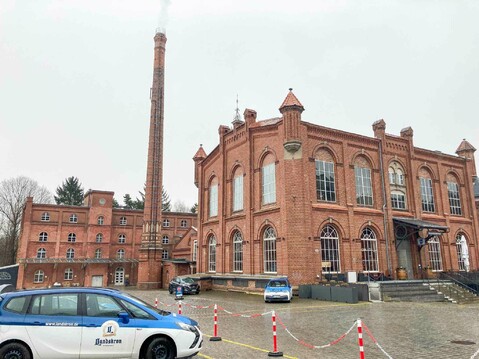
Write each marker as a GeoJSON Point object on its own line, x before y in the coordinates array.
{"type": "Point", "coordinates": [15, 351]}
{"type": "Point", "coordinates": [161, 348]}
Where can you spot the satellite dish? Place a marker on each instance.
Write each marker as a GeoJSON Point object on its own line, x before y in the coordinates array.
{"type": "Point", "coordinates": [400, 231]}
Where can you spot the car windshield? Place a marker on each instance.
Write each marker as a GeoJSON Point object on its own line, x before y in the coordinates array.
{"type": "Point", "coordinates": [277, 283]}
{"type": "Point", "coordinates": [149, 306]}
{"type": "Point", "coordinates": [187, 280]}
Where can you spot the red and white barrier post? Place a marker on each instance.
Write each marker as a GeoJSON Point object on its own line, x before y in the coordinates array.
{"type": "Point", "coordinates": [275, 352]}
{"type": "Point", "coordinates": [215, 337]}
{"type": "Point", "coordinates": [156, 302]}
{"type": "Point", "coordinates": [179, 308]}
{"type": "Point", "coordinates": [360, 339]}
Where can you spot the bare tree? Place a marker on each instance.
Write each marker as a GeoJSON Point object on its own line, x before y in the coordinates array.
{"type": "Point", "coordinates": [13, 194]}
{"type": "Point", "coordinates": [180, 206]}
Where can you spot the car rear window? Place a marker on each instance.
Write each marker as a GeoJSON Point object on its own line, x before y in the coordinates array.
{"type": "Point", "coordinates": [16, 304]}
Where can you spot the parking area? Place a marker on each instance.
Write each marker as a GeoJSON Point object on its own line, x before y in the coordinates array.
{"type": "Point", "coordinates": [402, 330]}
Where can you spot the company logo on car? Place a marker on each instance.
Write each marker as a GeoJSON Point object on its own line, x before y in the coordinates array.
{"type": "Point", "coordinates": [109, 329]}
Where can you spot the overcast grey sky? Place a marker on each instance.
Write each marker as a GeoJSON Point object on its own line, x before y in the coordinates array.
{"type": "Point", "coordinates": [75, 78]}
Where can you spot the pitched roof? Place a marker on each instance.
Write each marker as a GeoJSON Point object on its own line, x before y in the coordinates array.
{"type": "Point", "coordinates": [200, 153]}
{"type": "Point", "coordinates": [465, 146]}
{"type": "Point", "coordinates": [291, 100]}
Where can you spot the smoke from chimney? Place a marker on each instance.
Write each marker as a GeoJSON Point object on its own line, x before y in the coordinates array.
{"type": "Point", "coordinates": [163, 18]}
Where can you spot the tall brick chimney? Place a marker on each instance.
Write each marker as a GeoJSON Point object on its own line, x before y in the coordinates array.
{"type": "Point", "coordinates": [149, 269]}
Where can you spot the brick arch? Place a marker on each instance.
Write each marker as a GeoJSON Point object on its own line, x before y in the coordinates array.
{"type": "Point", "coordinates": [333, 223]}
{"type": "Point", "coordinates": [266, 223]}
{"type": "Point", "coordinates": [208, 235]}
{"type": "Point", "coordinates": [326, 148]}
{"type": "Point", "coordinates": [373, 226]}
{"type": "Point", "coordinates": [229, 237]}
{"type": "Point", "coordinates": [426, 168]}
{"type": "Point", "coordinates": [400, 162]}
{"type": "Point", "coordinates": [455, 175]}
{"type": "Point", "coordinates": [266, 151]}
{"type": "Point", "coordinates": [467, 235]}
{"type": "Point", "coordinates": [237, 165]}
{"type": "Point", "coordinates": [363, 154]}
{"type": "Point", "coordinates": [211, 178]}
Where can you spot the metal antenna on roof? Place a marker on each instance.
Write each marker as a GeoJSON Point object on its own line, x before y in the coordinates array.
{"type": "Point", "coordinates": [237, 118]}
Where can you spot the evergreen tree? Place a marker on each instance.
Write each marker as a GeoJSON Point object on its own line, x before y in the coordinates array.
{"type": "Point", "coordinates": [128, 202]}
{"type": "Point", "coordinates": [194, 209]}
{"type": "Point", "coordinates": [165, 201]}
{"type": "Point", "coordinates": [70, 192]}
{"type": "Point", "coordinates": [115, 203]}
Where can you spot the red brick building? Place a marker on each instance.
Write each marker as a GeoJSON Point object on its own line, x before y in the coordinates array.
{"type": "Point", "coordinates": [286, 197]}
{"type": "Point", "coordinates": [96, 244]}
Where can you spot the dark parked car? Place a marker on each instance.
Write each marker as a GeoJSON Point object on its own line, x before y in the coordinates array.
{"type": "Point", "coordinates": [188, 285]}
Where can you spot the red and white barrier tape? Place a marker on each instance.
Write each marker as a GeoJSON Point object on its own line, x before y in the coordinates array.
{"type": "Point", "coordinates": [168, 305]}
{"type": "Point", "coordinates": [302, 342]}
{"type": "Point", "coordinates": [375, 341]}
{"type": "Point", "coordinates": [243, 315]}
{"type": "Point", "coordinates": [475, 354]}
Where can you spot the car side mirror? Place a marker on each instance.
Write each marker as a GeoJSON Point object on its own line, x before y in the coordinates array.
{"type": "Point", "coordinates": [125, 318]}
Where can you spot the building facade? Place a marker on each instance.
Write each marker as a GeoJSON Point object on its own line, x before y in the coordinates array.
{"type": "Point", "coordinates": [95, 244]}
{"type": "Point", "coordinates": [286, 197]}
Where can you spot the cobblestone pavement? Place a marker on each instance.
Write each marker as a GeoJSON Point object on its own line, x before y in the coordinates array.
{"type": "Point", "coordinates": [403, 330]}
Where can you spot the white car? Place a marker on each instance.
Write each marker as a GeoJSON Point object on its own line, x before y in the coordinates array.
{"type": "Point", "coordinates": [91, 323]}
{"type": "Point", "coordinates": [278, 290]}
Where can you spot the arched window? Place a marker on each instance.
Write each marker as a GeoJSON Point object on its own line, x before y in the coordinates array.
{"type": "Point", "coordinates": [73, 218]}
{"type": "Point", "coordinates": [41, 253]}
{"type": "Point", "coordinates": [195, 250]}
{"type": "Point", "coordinates": [164, 254]}
{"type": "Point", "coordinates": [68, 275]}
{"type": "Point", "coordinates": [268, 180]}
{"type": "Point", "coordinates": [45, 217]}
{"type": "Point", "coordinates": [121, 238]}
{"type": "Point", "coordinates": [453, 195]}
{"type": "Point", "coordinates": [330, 250]}
{"type": "Point", "coordinates": [99, 238]}
{"type": "Point", "coordinates": [72, 237]}
{"type": "Point", "coordinates": [165, 240]}
{"type": "Point", "coordinates": [427, 194]}
{"type": "Point", "coordinates": [184, 223]}
{"type": "Point", "coordinates": [364, 188]}
{"type": "Point", "coordinates": [100, 220]}
{"type": "Point", "coordinates": [70, 253]}
{"type": "Point", "coordinates": [120, 254]}
{"type": "Point", "coordinates": [238, 190]}
{"type": "Point", "coordinates": [38, 277]}
{"type": "Point", "coordinates": [212, 254]}
{"type": "Point", "coordinates": [213, 198]}
{"type": "Point", "coordinates": [98, 253]}
{"type": "Point", "coordinates": [166, 222]}
{"type": "Point", "coordinates": [269, 250]}
{"type": "Point", "coordinates": [462, 250]}
{"type": "Point", "coordinates": [397, 185]}
{"type": "Point", "coordinates": [369, 250]}
{"type": "Point", "coordinates": [123, 221]}
{"type": "Point", "coordinates": [237, 252]}
{"type": "Point", "coordinates": [434, 250]}
{"type": "Point", "coordinates": [325, 182]}
{"type": "Point", "coordinates": [43, 237]}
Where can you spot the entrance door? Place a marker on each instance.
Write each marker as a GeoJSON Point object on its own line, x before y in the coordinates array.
{"type": "Point", "coordinates": [404, 257]}
{"type": "Point", "coordinates": [120, 276]}
{"type": "Point", "coordinates": [97, 281]}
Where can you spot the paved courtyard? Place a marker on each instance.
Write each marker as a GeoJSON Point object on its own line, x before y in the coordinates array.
{"type": "Point", "coordinates": [403, 330]}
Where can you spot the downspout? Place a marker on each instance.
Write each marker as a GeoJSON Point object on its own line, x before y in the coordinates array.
{"type": "Point", "coordinates": [385, 219]}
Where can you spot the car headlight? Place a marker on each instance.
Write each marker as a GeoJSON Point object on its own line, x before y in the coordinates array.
{"type": "Point", "coordinates": [187, 327]}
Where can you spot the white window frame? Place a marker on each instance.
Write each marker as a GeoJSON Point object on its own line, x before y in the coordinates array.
{"type": "Point", "coordinates": [213, 200]}
{"type": "Point", "coordinates": [268, 184]}
{"type": "Point", "coordinates": [184, 223]}
{"type": "Point", "coordinates": [165, 239]}
{"type": "Point", "coordinates": [73, 218]}
{"type": "Point", "coordinates": [398, 198]}
{"type": "Point", "coordinates": [460, 259]}
{"type": "Point", "coordinates": [434, 251]}
{"type": "Point", "coordinates": [427, 195]}
{"type": "Point", "coordinates": [72, 237]}
{"type": "Point", "coordinates": [330, 249]}
{"type": "Point", "coordinates": [270, 262]}
{"type": "Point", "coordinates": [325, 181]}
{"type": "Point", "coordinates": [100, 220]}
{"type": "Point", "coordinates": [238, 193]}
{"type": "Point", "coordinates": [38, 276]}
{"type": "Point", "coordinates": [68, 274]}
{"type": "Point", "coordinates": [364, 187]}
{"type": "Point", "coordinates": [166, 222]}
{"type": "Point", "coordinates": [43, 237]}
{"type": "Point", "coordinates": [369, 251]}
{"type": "Point", "coordinates": [237, 252]}
{"type": "Point", "coordinates": [41, 253]}
{"type": "Point", "coordinates": [70, 254]}
{"type": "Point", "coordinates": [164, 254]}
{"type": "Point", "coordinates": [120, 254]}
{"type": "Point", "coordinates": [45, 217]}
{"type": "Point", "coordinates": [454, 198]}
{"type": "Point", "coordinates": [212, 254]}
{"type": "Point", "coordinates": [122, 238]}
{"type": "Point", "coordinates": [195, 250]}
{"type": "Point", "coordinates": [98, 253]}
{"type": "Point", "coordinates": [123, 221]}
{"type": "Point", "coordinates": [99, 238]}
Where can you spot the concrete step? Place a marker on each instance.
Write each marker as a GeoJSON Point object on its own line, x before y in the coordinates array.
{"type": "Point", "coordinates": [415, 298]}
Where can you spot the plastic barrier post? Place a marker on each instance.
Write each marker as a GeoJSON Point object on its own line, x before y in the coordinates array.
{"type": "Point", "coordinates": [179, 308]}
{"type": "Point", "coordinates": [156, 302]}
{"type": "Point", "coordinates": [360, 339]}
{"type": "Point", "coordinates": [275, 352]}
{"type": "Point", "coordinates": [215, 337]}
